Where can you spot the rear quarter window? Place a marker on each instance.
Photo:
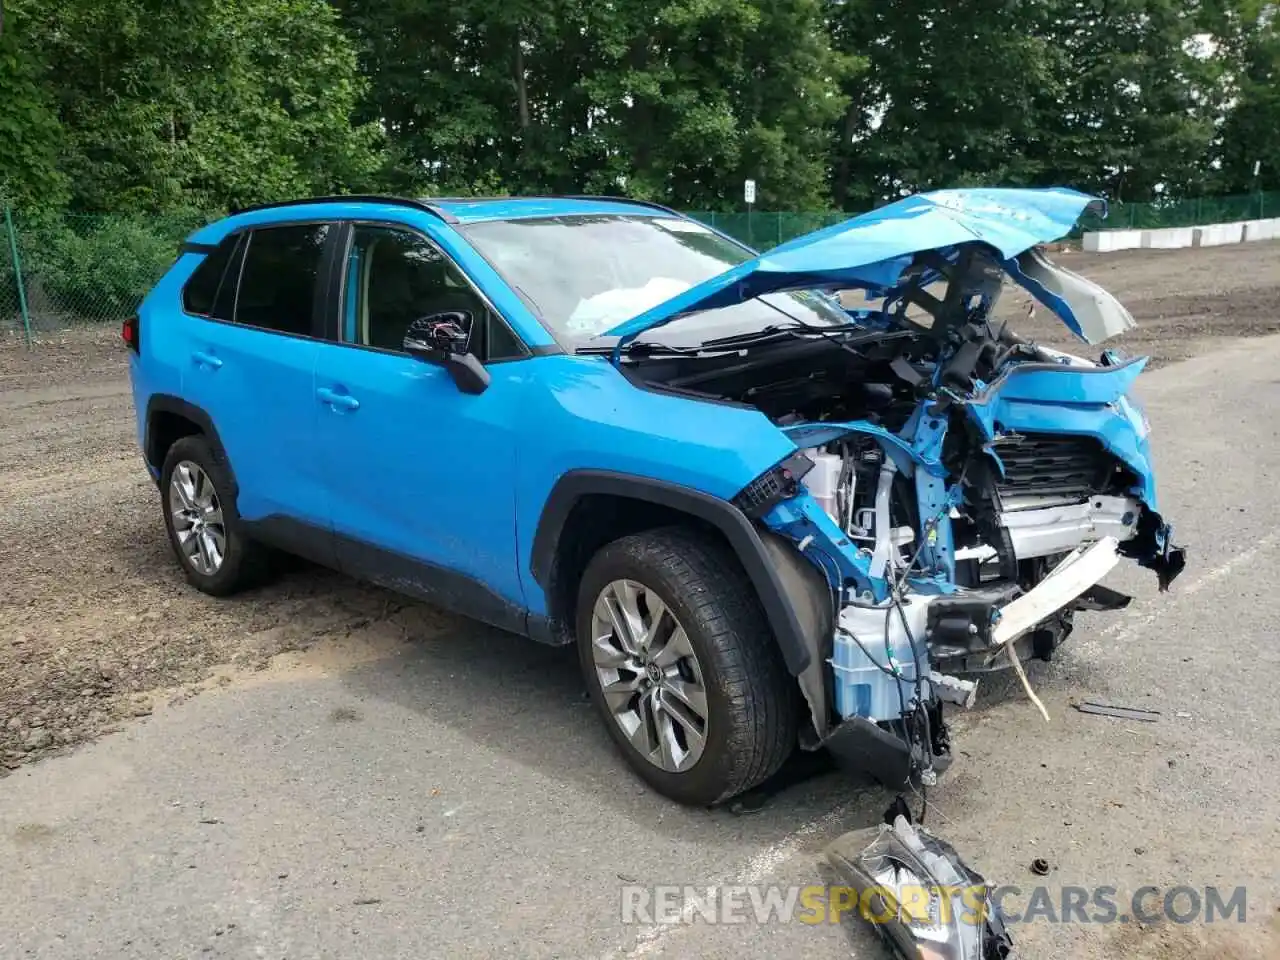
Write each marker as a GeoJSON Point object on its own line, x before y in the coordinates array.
{"type": "Point", "coordinates": [211, 291]}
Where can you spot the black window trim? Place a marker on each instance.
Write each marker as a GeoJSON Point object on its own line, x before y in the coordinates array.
{"type": "Point", "coordinates": [206, 250]}
{"type": "Point", "coordinates": [318, 317]}
{"type": "Point", "coordinates": [335, 286]}
{"type": "Point", "coordinates": [241, 247]}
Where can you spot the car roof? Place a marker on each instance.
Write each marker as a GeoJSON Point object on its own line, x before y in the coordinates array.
{"type": "Point", "coordinates": [452, 210]}
{"type": "Point", "coordinates": [478, 209]}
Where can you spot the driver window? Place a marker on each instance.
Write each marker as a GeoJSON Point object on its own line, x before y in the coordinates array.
{"type": "Point", "coordinates": [393, 278]}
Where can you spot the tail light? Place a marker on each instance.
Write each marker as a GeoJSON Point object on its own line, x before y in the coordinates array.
{"type": "Point", "coordinates": [129, 333]}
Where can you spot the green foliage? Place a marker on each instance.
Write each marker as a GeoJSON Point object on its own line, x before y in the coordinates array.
{"type": "Point", "coordinates": [30, 134]}
{"type": "Point", "coordinates": [209, 104]}
{"type": "Point", "coordinates": [678, 101]}
{"type": "Point", "coordinates": [1250, 136]}
{"type": "Point", "coordinates": [955, 95]}
{"type": "Point", "coordinates": [133, 106]}
{"type": "Point", "coordinates": [98, 268]}
{"type": "Point", "coordinates": [1136, 117]}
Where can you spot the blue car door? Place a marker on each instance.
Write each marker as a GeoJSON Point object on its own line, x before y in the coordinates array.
{"type": "Point", "coordinates": [420, 474]}
{"type": "Point", "coordinates": [249, 328]}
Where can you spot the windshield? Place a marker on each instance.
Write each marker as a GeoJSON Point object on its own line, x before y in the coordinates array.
{"type": "Point", "coordinates": [585, 274]}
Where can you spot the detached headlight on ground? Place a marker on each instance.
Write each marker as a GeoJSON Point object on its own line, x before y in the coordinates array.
{"type": "Point", "coordinates": [921, 897]}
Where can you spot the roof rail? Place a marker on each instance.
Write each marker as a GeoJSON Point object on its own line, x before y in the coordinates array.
{"type": "Point", "coordinates": [431, 204]}
{"type": "Point", "coordinates": [557, 196]}
{"type": "Point", "coordinates": [425, 205]}
{"type": "Point", "coordinates": [639, 203]}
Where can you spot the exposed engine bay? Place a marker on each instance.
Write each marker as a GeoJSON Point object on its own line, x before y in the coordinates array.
{"type": "Point", "coordinates": [956, 493]}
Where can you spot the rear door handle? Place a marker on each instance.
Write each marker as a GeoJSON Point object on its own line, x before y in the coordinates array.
{"type": "Point", "coordinates": [206, 360]}
{"type": "Point", "coordinates": [343, 401]}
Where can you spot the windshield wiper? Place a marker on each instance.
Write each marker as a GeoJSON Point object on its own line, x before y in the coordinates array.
{"type": "Point", "coordinates": [635, 346]}
{"type": "Point", "coordinates": [739, 341]}
{"type": "Point", "coordinates": [833, 333]}
{"type": "Point", "coordinates": [774, 330]}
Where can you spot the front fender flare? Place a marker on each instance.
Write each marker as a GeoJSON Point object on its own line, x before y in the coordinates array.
{"type": "Point", "coordinates": [743, 538]}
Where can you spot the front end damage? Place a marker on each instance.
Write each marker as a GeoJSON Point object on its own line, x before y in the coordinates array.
{"type": "Point", "coordinates": [968, 536]}
{"type": "Point", "coordinates": [956, 492]}
{"type": "Point", "coordinates": [963, 536]}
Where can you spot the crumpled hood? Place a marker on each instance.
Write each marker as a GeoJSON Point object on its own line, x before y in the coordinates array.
{"type": "Point", "coordinates": [872, 252]}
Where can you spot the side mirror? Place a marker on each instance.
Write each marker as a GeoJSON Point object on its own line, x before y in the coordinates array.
{"type": "Point", "coordinates": [443, 339]}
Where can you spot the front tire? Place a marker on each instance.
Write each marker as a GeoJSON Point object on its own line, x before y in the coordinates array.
{"type": "Point", "coordinates": [681, 664]}
{"type": "Point", "coordinates": [205, 531]}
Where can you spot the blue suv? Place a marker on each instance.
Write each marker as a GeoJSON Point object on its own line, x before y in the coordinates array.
{"type": "Point", "coordinates": [789, 500]}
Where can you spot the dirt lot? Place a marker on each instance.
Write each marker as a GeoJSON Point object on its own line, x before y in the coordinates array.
{"type": "Point", "coordinates": [96, 623]}
{"type": "Point", "coordinates": [1185, 301]}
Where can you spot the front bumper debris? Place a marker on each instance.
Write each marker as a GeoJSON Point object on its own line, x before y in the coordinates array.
{"type": "Point", "coordinates": [877, 683]}
{"type": "Point", "coordinates": [1073, 576]}
{"type": "Point", "coordinates": [1153, 548]}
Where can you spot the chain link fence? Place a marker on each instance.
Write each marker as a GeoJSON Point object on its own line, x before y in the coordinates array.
{"type": "Point", "coordinates": [14, 316]}
{"type": "Point", "coordinates": [60, 270]}
{"type": "Point", "coordinates": [57, 271]}
{"type": "Point", "coordinates": [764, 230]}
{"type": "Point", "coordinates": [1184, 213]}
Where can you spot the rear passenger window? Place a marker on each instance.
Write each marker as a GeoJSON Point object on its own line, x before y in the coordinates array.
{"type": "Point", "coordinates": [278, 281]}
{"type": "Point", "coordinates": [211, 291]}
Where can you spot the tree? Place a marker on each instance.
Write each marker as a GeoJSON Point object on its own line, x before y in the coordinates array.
{"type": "Point", "coordinates": [1136, 116]}
{"type": "Point", "coordinates": [677, 102]}
{"type": "Point", "coordinates": [159, 105]}
{"type": "Point", "coordinates": [29, 128]}
{"type": "Point", "coordinates": [1250, 136]}
{"type": "Point", "coordinates": [470, 93]}
{"type": "Point", "coordinates": [1112, 97]}
{"type": "Point", "coordinates": [954, 95]}
{"type": "Point", "coordinates": [172, 103]}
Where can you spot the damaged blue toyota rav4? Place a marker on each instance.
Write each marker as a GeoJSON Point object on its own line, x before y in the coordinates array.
{"type": "Point", "coordinates": [768, 521]}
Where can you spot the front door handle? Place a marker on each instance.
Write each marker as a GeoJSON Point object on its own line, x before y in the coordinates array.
{"type": "Point", "coordinates": [206, 360]}
{"type": "Point", "coordinates": [343, 401]}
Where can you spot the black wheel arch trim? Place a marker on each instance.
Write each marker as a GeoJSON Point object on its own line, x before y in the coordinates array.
{"type": "Point", "coordinates": [738, 530]}
{"type": "Point", "coordinates": [167, 403]}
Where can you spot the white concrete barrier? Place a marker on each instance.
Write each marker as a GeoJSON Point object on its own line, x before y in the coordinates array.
{"type": "Point", "coordinates": [1105, 241]}
{"type": "Point", "coordinates": [1261, 230]}
{"type": "Point", "coordinates": [1176, 238]}
{"type": "Point", "coordinates": [1217, 234]}
{"type": "Point", "coordinates": [1172, 238]}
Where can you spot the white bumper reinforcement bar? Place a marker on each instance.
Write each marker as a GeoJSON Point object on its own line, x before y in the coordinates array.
{"type": "Point", "coordinates": [1073, 576]}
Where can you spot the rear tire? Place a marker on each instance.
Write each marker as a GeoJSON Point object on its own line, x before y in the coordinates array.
{"type": "Point", "coordinates": [708, 649]}
{"type": "Point", "coordinates": [205, 531]}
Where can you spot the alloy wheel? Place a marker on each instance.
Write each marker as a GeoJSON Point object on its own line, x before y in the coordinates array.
{"type": "Point", "coordinates": [197, 518]}
{"type": "Point", "coordinates": [649, 675]}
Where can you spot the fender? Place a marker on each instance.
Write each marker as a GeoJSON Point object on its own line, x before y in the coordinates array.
{"type": "Point", "coordinates": [167, 403]}
{"type": "Point", "coordinates": [743, 537]}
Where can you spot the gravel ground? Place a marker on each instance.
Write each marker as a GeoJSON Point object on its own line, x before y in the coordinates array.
{"type": "Point", "coordinates": [95, 622]}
